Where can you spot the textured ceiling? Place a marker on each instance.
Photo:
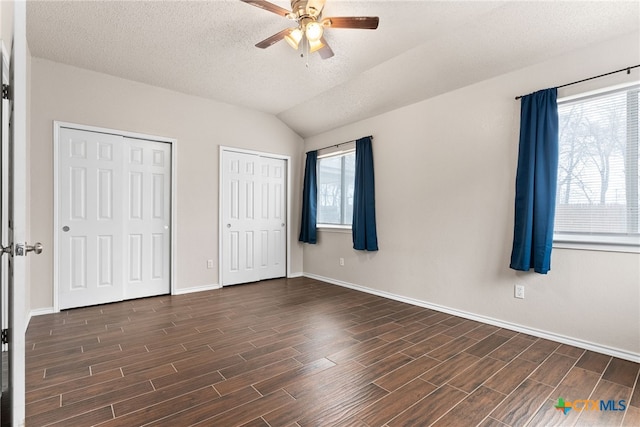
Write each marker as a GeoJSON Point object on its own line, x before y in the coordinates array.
{"type": "Point", "coordinates": [421, 49]}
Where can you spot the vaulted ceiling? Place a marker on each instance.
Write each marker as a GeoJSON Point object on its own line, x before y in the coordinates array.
{"type": "Point", "coordinates": [421, 49]}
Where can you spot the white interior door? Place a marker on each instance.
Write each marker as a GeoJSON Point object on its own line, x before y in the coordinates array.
{"type": "Point", "coordinates": [19, 219]}
{"type": "Point", "coordinates": [114, 204]}
{"type": "Point", "coordinates": [273, 208]}
{"type": "Point", "coordinates": [239, 195]}
{"type": "Point", "coordinates": [147, 218]}
{"type": "Point", "coordinates": [253, 217]}
{"type": "Point", "coordinates": [6, 241]}
{"type": "Point", "coordinates": [90, 218]}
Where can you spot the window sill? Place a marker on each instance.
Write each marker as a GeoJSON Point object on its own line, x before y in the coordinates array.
{"type": "Point", "coordinates": [628, 244]}
{"type": "Point", "coordinates": [334, 228]}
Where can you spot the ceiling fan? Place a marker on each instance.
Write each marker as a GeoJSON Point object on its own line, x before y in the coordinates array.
{"type": "Point", "coordinates": [311, 25]}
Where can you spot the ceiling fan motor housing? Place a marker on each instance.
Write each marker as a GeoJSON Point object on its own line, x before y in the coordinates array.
{"type": "Point", "coordinates": [306, 8]}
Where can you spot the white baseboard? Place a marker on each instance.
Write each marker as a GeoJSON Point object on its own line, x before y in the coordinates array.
{"type": "Point", "coordinates": [622, 354]}
{"type": "Point", "coordinates": [50, 310]}
{"type": "Point", "coordinates": [193, 289]}
{"type": "Point", "coordinates": [37, 312]}
{"type": "Point", "coordinates": [41, 311]}
{"type": "Point", "coordinates": [295, 275]}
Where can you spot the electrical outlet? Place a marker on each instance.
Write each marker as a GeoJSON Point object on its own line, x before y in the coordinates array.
{"type": "Point", "coordinates": [209, 263]}
{"type": "Point", "coordinates": [518, 291]}
{"type": "Point", "coordinates": [342, 261]}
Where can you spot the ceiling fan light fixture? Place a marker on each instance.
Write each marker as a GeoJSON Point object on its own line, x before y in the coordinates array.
{"type": "Point", "coordinates": [294, 37]}
{"type": "Point", "coordinates": [315, 45]}
{"type": "Point", "coordinates": [314, 31]}
{"type": "Point", "coordinates": [310, 25]}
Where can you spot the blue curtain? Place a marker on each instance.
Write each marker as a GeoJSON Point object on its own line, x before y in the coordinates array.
{"type": "Point", "coordinates": [536, 181]}
{"type": "Point", "coordinates": [363, 228]}
{"type": "Point", "coordinates": [309, 200]}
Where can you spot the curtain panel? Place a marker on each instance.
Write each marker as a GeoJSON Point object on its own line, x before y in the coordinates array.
{"type": "Point", "coordinates": [536, 182]}
{"type": "Point", "coordinates": [363, 229]}
{"type": "Point", "coordinates": [308, 232]}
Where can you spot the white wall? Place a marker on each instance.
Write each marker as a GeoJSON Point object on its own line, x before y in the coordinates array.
{"type": "Point", "coordinates": [6, 23]}
{"type": "Point", "coordinates": [445, 178]}
{"type": "Point", "coordinates": [65, 93]}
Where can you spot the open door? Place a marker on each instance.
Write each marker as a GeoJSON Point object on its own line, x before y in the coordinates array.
{"type": "Point", "coordinates": [5, 238]}
{"type": "Point", "coordinates": [14, 248]}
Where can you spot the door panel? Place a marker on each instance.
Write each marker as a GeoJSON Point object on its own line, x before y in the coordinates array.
{"type": "Point", "coordinates": [90, 218]}
{"type": "Point", "coordinates": [148, 218]}
{"type": "Point", "coordinates": [253, 218]}
{"type": "Point", "coordinates": [239, 204]}
{"type": "Point", "coordinates": [273, 221]}
{"type": "Point", "coordinates": [105, 261]}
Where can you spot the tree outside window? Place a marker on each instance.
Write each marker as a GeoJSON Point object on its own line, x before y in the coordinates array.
{"type": "Point", "coordinates": [598, 165]}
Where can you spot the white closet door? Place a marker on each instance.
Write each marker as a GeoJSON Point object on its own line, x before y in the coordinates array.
{"type": "Point", "coordinates": [272, 223]}
{"type": "Point", "coordinates": [90, 218]}
{"type": "Point", "coordinates": [253, 218]}
{"type": "Point", "coordinates": [240, 198]}
{"type": "Point", "coordinates": [147, 218]}
{"type": "Point", "coordinates": [114, 214]}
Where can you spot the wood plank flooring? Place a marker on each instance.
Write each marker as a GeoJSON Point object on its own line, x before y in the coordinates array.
{"type": "Point", "coordinates": [299, 352]}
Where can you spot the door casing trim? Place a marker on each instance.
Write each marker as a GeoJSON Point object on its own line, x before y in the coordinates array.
{"type": "Point", "coordinates": [57, 126]}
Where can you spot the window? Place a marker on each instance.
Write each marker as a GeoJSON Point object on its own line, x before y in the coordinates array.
{"type": "Point", "coordinates": [336, 178]}
{"type": "Point", "coordinates": [597, 193]}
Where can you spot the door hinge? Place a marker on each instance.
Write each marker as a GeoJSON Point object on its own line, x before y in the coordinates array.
{"type": "Point", "coordinates": [5, 336]}
{"type": "Point", "coordinates": [6, 91]}
{"type": "Point", "coordinates": [6, 249]}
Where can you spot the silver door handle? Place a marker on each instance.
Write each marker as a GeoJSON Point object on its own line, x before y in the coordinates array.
{"type": "Point", "coordinates": [37, 248]}
{"type": "Point", "coordinates": [6, 249]}
{"type": "Point", "coordinates": [228, 225]}
{"type": "Point", "coordinates": [282, 224]}
{"type": "Point", "coordinates": [22, 249]}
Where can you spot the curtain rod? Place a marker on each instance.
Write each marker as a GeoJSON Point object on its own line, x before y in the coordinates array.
{"type": "Point", "coordinates": [342, 143]}
{"type": "Point", "coordinates": [627, 69]}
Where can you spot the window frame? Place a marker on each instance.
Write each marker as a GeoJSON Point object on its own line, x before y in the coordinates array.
{"type": "Point", "coordinates": [608, 242]}
{"type": "Point", "coordinates": [342, 153]}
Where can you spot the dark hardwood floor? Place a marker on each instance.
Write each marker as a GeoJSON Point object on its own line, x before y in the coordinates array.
{"type": "Point", "coordinates": [300, 352]}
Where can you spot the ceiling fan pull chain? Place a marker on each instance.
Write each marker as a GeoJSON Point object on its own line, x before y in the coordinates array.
{"type": "Point", "coordinates": [305, 52]}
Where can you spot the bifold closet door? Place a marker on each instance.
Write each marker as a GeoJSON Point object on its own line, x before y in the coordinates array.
{"type": "Point", "coordinates": [113, 218]}
{"type": "Point", "coordinates": [253, 218]}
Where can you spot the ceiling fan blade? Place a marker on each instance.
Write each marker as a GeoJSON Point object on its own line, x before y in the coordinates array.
{"type": "Point", "coordinates": [270, 7]}
{"type": "Point", "coordinates": [359, 22]}
{"type": "Point", "coordinates": [269, 41]}
{"type": "Point", "coordinates": [325, 51]}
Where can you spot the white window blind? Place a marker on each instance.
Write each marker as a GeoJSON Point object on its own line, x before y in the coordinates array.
{"type": "Point", "coordinates": [597, 193]}
{"type": "Point", "coordinates": [336, 183]}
